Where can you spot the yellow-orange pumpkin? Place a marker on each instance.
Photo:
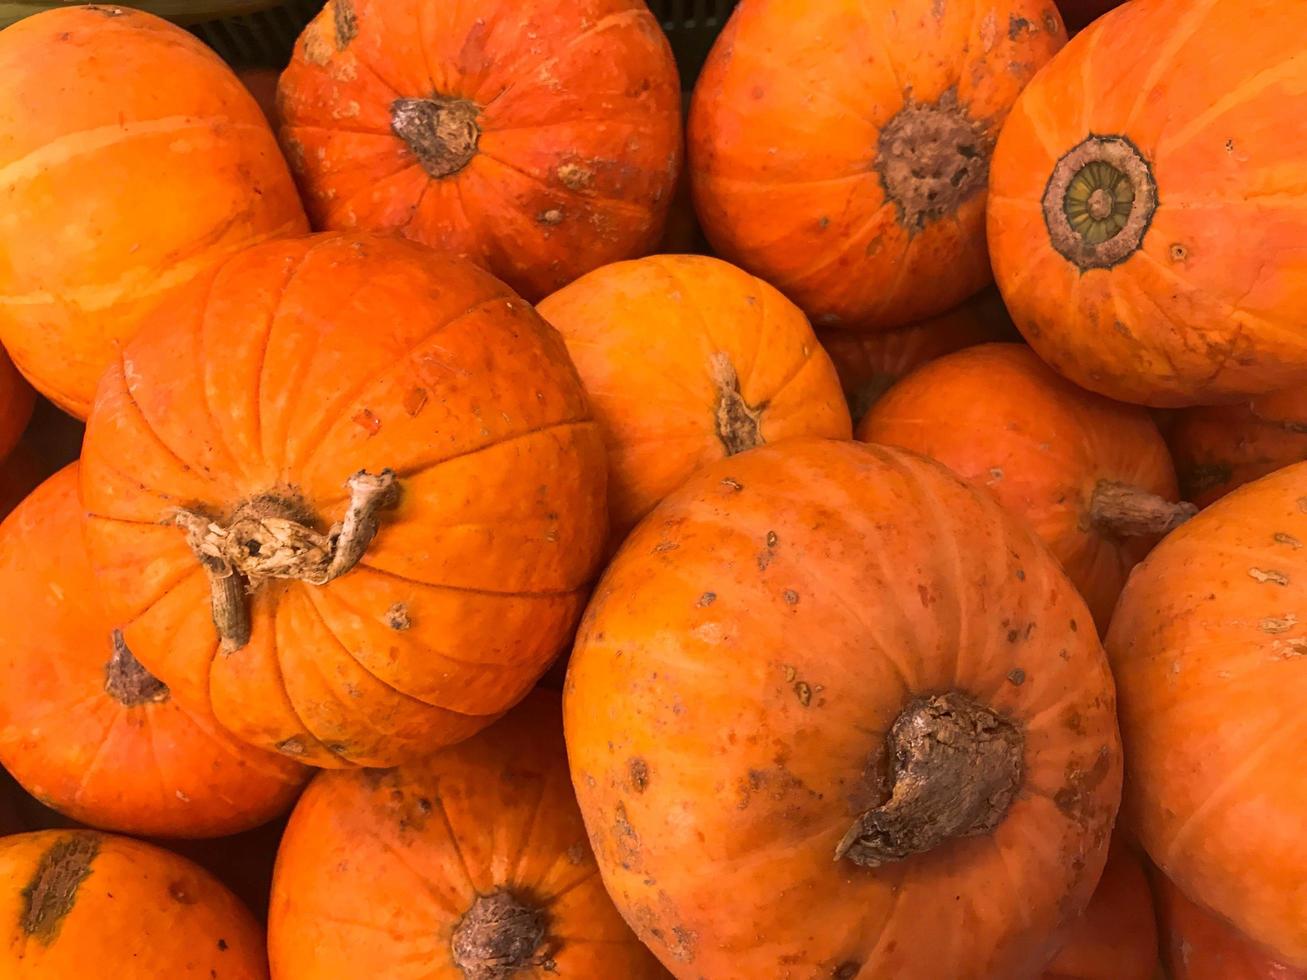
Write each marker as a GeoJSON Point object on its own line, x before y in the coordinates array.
{"type": "Point", "coordinates": [411, 401]}
{"type": "Point", "coordinates": [688, 360]}
{"type": "Point", "coordinates": [833, 713]}
{"type": "Point", "coordinates": [131, 160]}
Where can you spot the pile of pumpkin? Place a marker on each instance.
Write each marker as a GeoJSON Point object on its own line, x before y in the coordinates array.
{"type": "Point", "coordinates": [836, 703]}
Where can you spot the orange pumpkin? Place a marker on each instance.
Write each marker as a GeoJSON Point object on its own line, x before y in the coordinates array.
{"type": "Point", "coordinates": [88, 730]}
{"type": "Point", "coordinates": [1210, 656]}
{"type": "Point", "coordinates": [868, 364]}
{"type": "Point", "coordinates": [386, 466]}
{"type": "Point", "coordinates": [539, 140]}
{"type": "Point", "coordinates": [840, 150]}
{"type": "Point", "coordinates": [81, 904]}
{"type": "Point", "coordinates": [1199, 946]}
{"type": "Point", "coordinates": [1116, 938]}
{"type": "Point", "coordinates": [1092, 477]}
{"type": "Point", "coordinates": [1118, 182]}
{"type": "Point", "coordinates": [472, 863]}
{"type": "Point", "coordinates": [16, 401]}
{"type": "Point", "coordinates": [688, 360]}
{"type": "Point", "coordinates": [1220, 448]}
{"type": "Point", "coordinates": [832, 696]}
{"type": "Point", "coordinates": [131, 160]}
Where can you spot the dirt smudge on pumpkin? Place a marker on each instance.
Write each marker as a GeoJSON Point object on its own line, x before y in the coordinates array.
{"type": "Point", "coordinates": [574, 176]}
{"type": "Point", "coordinates": [1268, 576]}
{"type": "Point", "coordinates": [52, 891]}
{"type": "Point", "coordinates": [347, 23]}
{"type": "Point", "coordinates": [626, 840]}
{"type": "Point", "coordinates": [1076, 798]}
{"type": "Point", "coordinates": [127, 681]}
{"type": "Point", "coordinates": [1016, 26]}
{"type": "Point", "coordinates": [846, 970]}
{"type": "Point", "coordinates": [292, 746]}
{"type": "Point", "coordinates": [639, 770]}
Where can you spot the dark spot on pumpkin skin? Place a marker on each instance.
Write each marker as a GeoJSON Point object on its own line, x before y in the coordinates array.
{"type": "Point", "coordinates": [222, 945]}
{"type": "Point", "coordinates": [707, 599]}
{"type": "Point", "coordinates": [1016, 676]}
{"type": "Point", "coordinates": [847, 971]}
{"type": "Point", "coordinates": [1074, 627]}
{"type": "Point", "coordinates": [1016, 26]}
{"type": "Point", "coordinates": [397, 617]}
{"type": "Point", "coordinates": [791, 597]}
{"type": "Point", "coordinates": [1075, 799]}
{"type": "Point", "coordinates": [1012, 635]}
{"type": "Point", "coordinates": [347, 23]}
{"type": "Point", "coordinates": [639, 770]}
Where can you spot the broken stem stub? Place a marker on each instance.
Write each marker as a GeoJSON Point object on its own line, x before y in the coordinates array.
{"type": "Point", "coordinates": [442, 133]}
{"type": "Point", "coordinates": [127, 681]}
{"type": "Point", "coordinates": [956, 767]}
{"type": "Point", "coordinates": [1124, 511]}
{"type": "Point", "coordinates": [499, 936]}
{"type": "Point", "coordinates": [739, 424]}
{"type": "Point", "coordinates": [269, 537]}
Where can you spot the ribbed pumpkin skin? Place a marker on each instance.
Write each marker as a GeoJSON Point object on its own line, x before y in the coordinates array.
{"type": "Point", "coordinates": [1207, 644]}
{"type": "Point", "coordinates": [403, 854]}
{"type": "Point", "coordinates": [135, 911]}
{"type": "Point", "coordinates": [651, 339]}
{"type": "Point", "coordinates": [1219, 448]}
{"type": "Point", "coordinates": [996, 415]}
{"type": "Point", "coordinates": [1199, 946]}
{"type": "Point", "coordinates": [785, 146]}
{"type": "Point", "coordinates": [16, 401]}
{"type": "Point", "coordinates": [578, 108]}
{"type": "Point", "coordinates": [304, 362]}
{"type": "Point", "coordinates": [154, 768]}
{"type": "Point", "coordinates": [1192, 315]}
{"type": "Point", "coordinates": [131, 160]}
{"type": "Point", "coordinates": [773, 617]}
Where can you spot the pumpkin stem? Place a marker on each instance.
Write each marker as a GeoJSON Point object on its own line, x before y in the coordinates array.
{"type": "Point", "coordinates": [739, 424]}
{"type": "Point", "coordinates": [1125, 511]}
{"type": "Point", "coordinates": [1099, 202]}
{"type": "Point", "coordinates": [498, 936]}
{"type": "Point", "coordinates": [956, 768]}
{"type": "Point", "coordinates": [268, 537]}
{"type": "Point", "coordinates": [127, 681]}
{"type": "Point", "coordinates": [442, 133]}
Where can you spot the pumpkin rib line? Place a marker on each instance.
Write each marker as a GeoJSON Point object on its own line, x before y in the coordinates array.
{"type": "Point", "coordinates": [470, 590]}
{"type": "Point", "coordinates": [281, 686]}
{"type": "Point", "coordinates": [611, 203]}
{"type": "Point", "coordinates": [534, 820]}
{"type": "Point", "coordinates": [552, 900]}
{"type": "Point", "coordinates": [771, 186]}
{"type": "Point", "coordinates": [244, 754]}
{"type": "Point", "coordinates": [1163, 64]}
{"type": "Point", "coordinates": [439, 806]}
{"type": "Point", "coordinates": [428, 885]}
{"type": "Point", "coordinates": [89, 771]}
{"type": "Point", "coordinates": [220, 438]}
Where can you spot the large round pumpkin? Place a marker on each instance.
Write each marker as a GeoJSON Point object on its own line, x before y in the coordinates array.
{"type": "Point", "coordinates": [832, 712]}
{"type": "Point", "coordinates": [82, 904]}
{"type": "Point", "coordinates": [83, 726]}
{"type": "Point", "coordinates": [840, 150]}
{"type": "Point", "coordinates": [1209, 646]}
{"type": "Point", "coordinates": [688, 360]}
{"type": "Point", "coordinates": [1093, 477]}
{"type": "Point", "coordinates": [131, 160]}
{"type": "Point", "coordinates": [540, 140]}
{"type": "Point", "coordinates": [375, 469]}
{"type": "Point", "coordinates": [16, 401]}
{"type": "Point", "coordinates": [472, 863]}
{"type": "Point", "coordinates": [1122, 191]}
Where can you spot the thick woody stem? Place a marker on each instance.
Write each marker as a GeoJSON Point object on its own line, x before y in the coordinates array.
{"type": "Point", "coordinates": [1125, 511]}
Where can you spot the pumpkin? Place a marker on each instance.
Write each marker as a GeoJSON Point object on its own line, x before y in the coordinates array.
{"type": "Point", "coordinates": [82, 904]}
{"type": "Point", "coordinates": [1119, 177]}
{"type": "Point", "coordinates": [1210, 657]}
{"type": "Point", "coordinates": [868, 364]}
{"type": "Point", "coordinates": [840, 150]}
{"type": "Point", "coordinates": [1116, 938]}
{"type": "Point", "coordinates": [1199, 946]}
{"type": "Point", "coordinates": [349, 494]}
{"type": "Point", "coordinates": [471, 863]}
{"type": "Point", "coordinates": [539, 140]}
{"type": "Point", "coordinates": [830, 695]}
{"type": "Point", "coordinates": [1091, 476]}
{"type": "Point", "coordinates": [131, 160]}
{"type": "Point", "coordinates": [88, 730]}
{"type": "Point", "coordinates": [1221, 447]}
{"type": "Point", "coordinates": [688, 360]}
{"type": "Point", "coordinates": [16, 401]}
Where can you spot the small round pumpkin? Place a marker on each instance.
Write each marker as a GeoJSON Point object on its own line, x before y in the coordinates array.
{"type": "Point", "coordinates": [868, 364]}
{"type": "Point", "coordinates": [539, 140]}
{"type": "Point", "coordinates": [1221, 447]}
{"type": "Point", "coordinates": [83, 726]}
{"type": "Point", "coordinates": [840, 150]}
{"type": "Point", "coordinates": [1209, 648]}
{"type": "Point", "coordinates": [83, 904]}
{"type": "Point", "coordinates": [374, 469]}
{"type": "Point", "coordinates": [833, 696]}
{"type": "Point", "coordinates": [472, 863]}
{"type": "Point", "coordinates": [1119, 185]}
{"type": "Point", "coordinates": [1092, 477]}
{"type": "Point", "coordinates": [131, 160]}
{"type": "Point", "coordinates": [687, 360]}
{"type": "Point", "coordinates": [16, 402]}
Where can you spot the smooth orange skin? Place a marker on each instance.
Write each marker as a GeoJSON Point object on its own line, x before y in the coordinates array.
{"type": "Point", "coordinates": [1207, 648]}
{"type": "Point", "coordinates": [302, 363]}
{"type": "Point", "coordinates": [998, 416]}
{"type": "Point", "coordinates": [141, 912]}
{"type": "Point", "coordinates": [868, 364]}
{"type": "Point", "coordinates": [131, 160]}
{"type": "Point", "coordinates": [580, 123]}
{"type": "Point", "coordinates": [1221, 447]}
{"type": "Point", "coordinates": [157, 769]}
{"type": "Point", "coordinates": [1199, 946]}
{"type": "Point", "coordinates": [377, 868]}
{"type": "Point", "coordinates": [1195, 316]}
{"type": "Point", "coordinates": [783, 140]}
{"type": "Point", "coordinates": [643, 335]}
{"type": "Point", "coordinates": [1116, 938]}
{"type": "Point", "coordinates": [16, 401]}
{"type": "Point", "coordinates": [864, 576]}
